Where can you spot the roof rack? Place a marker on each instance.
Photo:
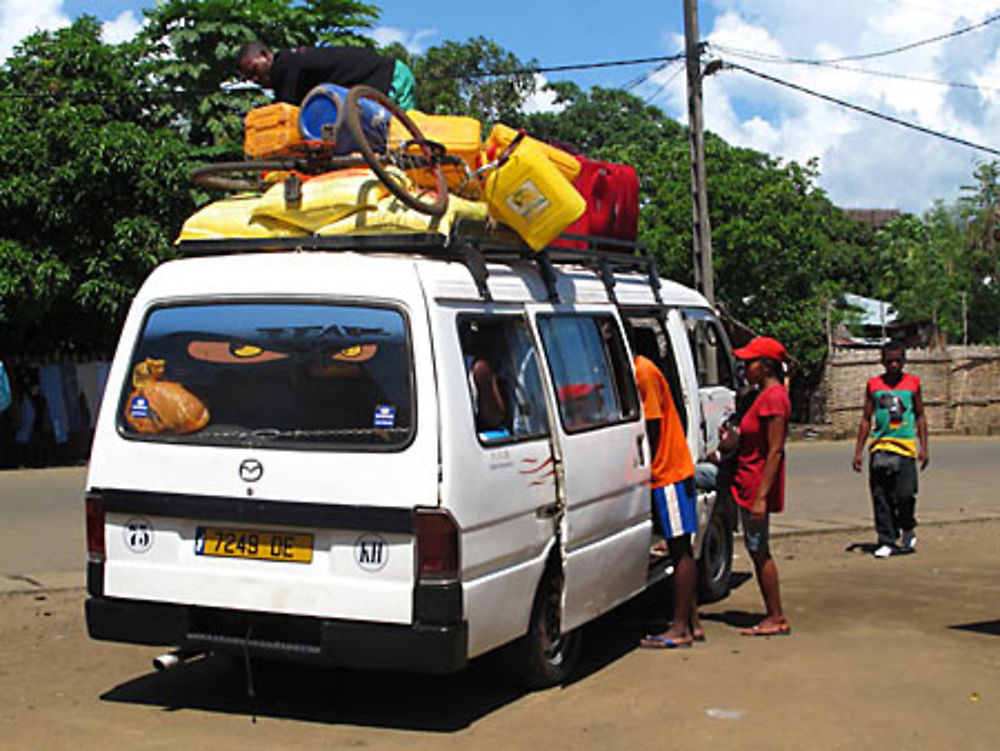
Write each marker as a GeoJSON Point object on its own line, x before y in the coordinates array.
{"type": "Point", "coordinates": [470, 243]}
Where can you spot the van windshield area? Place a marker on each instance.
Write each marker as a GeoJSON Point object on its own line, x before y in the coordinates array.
{"type": "Point", "coordinates": [254, 374]}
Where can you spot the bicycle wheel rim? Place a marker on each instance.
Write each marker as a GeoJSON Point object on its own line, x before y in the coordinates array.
{"type": "Point", "coordinates": [439, 205]}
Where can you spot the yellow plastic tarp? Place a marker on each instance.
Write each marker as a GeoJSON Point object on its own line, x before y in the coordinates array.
{"type": "Point", "coordinates": [325, 199]}
{"type": "Point", "coordinates": [233, 217]}
{"type": "Point", "coordinates": [348, 201]}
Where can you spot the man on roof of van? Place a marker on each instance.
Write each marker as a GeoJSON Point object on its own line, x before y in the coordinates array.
{"type": "Point", "coordinates": [674, 497]}
{"type": "Point", "coordinates": [291, 74]}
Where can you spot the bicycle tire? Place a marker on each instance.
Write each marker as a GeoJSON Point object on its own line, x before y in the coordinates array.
{"type": "Point", "coordinates": [439, 205]}
{"type": "Point", "coordinates": [221, 175]}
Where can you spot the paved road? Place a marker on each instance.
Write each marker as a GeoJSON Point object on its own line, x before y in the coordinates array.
{"type": "Point", "coordinates": [823, 492]}
{"type": "Point", "coordinates": [42, 534]}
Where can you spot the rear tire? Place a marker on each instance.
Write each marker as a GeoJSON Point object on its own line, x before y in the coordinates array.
{"type": "Point", "coordinates": [715, 566]}
{"type": "Point", "coordinates": [545, 656]}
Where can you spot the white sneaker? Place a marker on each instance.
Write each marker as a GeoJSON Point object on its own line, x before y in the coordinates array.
{"type": "Point", "coordinates": [884, 551]}
{"type": "Point", "coordinates": [909, 540]}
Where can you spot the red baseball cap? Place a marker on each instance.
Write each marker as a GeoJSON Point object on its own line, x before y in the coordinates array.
{"type": "Point", "coordinates": [762, 346]}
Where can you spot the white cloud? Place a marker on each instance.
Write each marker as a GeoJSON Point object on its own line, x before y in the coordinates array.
{"type": "Point", "coordinates": [542, 100]}
{"type": "Point", "coordinates": [415, 42]}
{"type": "Point", "coordinates": [864, 161]}
{"type": "Point", "coordinates": [121, 29]}
{"type": "Point", "coordinates": [19, 18]}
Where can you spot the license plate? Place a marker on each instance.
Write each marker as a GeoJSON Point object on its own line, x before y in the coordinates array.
{"type": "Point", "coordinates": [255, 544]}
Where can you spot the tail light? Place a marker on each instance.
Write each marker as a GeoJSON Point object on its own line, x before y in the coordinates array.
{"type": "Point", "coordinates": [95, 529]}
{"type": "Point", "coordinates": [437, 545]}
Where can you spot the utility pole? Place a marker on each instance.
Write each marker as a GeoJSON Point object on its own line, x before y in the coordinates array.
{"type": "Point", "coordinates": [704, 280]}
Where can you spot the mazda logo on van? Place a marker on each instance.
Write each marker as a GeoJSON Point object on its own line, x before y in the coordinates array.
{"type": "Point", "coordinates": [251, 470]}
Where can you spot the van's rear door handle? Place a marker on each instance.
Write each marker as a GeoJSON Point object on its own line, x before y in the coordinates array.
{"type": "Point", "coordinates": [547, 512]}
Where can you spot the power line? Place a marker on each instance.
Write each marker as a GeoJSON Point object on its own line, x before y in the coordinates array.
{"type": "Point", "coordinates": [168, 93]}
{"type": "Point", "coordinates": [579, 66]}
{"type": "Point", "coordinates": [765, 58]}
{"type": "Point", "coordinates": [665, 84]}
{"type": "Point", "coordinates": [863, 110]}
{"type": "Point", "coordinates": [912, 45]}
{"type": "Point", "coordinates": [637, 81]}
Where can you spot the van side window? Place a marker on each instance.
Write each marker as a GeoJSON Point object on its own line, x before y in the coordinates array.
{"type": "Point", "coordinates": [505, 387]}
{"type": "Point", "coordinates": [708, 343]}
{"type": "Point", "coordinates": [590, 370]}
{"type": "Point", "coordinates": [653, 341]}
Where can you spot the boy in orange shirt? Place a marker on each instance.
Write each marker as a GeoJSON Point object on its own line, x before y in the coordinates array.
{"type": "Point", "coordinates": [674, 501]}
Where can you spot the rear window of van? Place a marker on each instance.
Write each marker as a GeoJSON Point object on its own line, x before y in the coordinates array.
{"type": "Point", "coordinates": [271, 374]}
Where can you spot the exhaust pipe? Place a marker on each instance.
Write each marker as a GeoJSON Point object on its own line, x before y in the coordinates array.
{"type": "Point", "coordinates": [173, 659]}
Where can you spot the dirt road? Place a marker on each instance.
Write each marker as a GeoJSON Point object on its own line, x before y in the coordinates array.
{"type": "Point", "coordinates": [895, 654]}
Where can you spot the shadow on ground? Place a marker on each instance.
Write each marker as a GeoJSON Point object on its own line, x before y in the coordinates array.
{"type": "Point", "coordinates": [219, 683]}
{"type": "Point", "coordinates": [991, 628]}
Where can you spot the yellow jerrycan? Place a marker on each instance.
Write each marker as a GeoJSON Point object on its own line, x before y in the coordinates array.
{"type": "Point", "coordinates": [527, 192]}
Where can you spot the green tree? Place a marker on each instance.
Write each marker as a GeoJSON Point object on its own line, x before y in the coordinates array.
{"type": "Point", "coordinates": [476, 78]}
{"type": "Point", "coordinates": [194, 44]}
{"type": "Point", "coordinates": [91, 190]}
{"type": "Point", "coordinates": [978, 208]}
{"type": "Point", "coordinates": [782, 250]}
{"type": "Point", "coordinates": [920, 267]}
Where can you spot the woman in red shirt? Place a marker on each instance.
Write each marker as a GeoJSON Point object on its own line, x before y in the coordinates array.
{"type": "Point", "coordinates": [759, 482]}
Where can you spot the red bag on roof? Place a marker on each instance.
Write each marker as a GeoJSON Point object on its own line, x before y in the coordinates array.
{"type": "Point", "coordinates": [612, 194]}
{"type": "Point", "coordinates": [626, 205]}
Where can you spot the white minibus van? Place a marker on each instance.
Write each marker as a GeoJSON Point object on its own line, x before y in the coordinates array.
{"type": "Point", "coordinates": [391, 452]}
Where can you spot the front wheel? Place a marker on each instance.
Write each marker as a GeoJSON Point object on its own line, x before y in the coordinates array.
{"type": "Point", "coordinates": [545, 656]}
{"type": "Point", "coordinates": [715, 566]}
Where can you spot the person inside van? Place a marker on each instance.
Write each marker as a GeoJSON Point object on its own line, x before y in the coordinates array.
{"type": "Point", "coordinates": [478, 346]}
{"type": "Point", "coordinates": [673, 496]}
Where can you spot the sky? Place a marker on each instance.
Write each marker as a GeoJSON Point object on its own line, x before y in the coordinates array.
{"type": "Point", "coordinates": [864, 162]}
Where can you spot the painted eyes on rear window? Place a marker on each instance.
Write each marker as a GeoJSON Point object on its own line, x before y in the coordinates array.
{"type": "Point", "coordinates": [356, 353]}
{"type": "Point", "coordinates": [232, 352]}
{"type": "Point", "coordinates": [236, 352]}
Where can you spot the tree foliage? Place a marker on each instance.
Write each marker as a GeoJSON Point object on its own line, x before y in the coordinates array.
{"type": "Point", "coordinates": [943, 267]}
{"type": "Point", "coordinates": [781, 250]}
{"type": "Point", "coordinates": [99, 140]}
{"type": "Point", "coordinates": [91, 190]}
{"type": "Point", "coordinates": [476, 78]}
{"type": "Point", "coordinates": [194, 44]}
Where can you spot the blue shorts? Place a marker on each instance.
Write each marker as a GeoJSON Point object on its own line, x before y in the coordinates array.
{"type": "Point", "coordinates": [675, 509]}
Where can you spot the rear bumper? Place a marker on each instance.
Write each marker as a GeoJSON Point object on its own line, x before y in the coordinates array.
{"type": "Point", "coordinates": [419, 648]}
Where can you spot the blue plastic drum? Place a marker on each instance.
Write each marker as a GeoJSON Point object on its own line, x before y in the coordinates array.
{"type": "Point", "coordinates": [321, 118]}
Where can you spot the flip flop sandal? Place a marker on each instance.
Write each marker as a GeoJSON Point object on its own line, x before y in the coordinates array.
{"type": "Point", "coordinates": [663, 642]}
{"type": "Point", "coordinates": [781, 630]}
